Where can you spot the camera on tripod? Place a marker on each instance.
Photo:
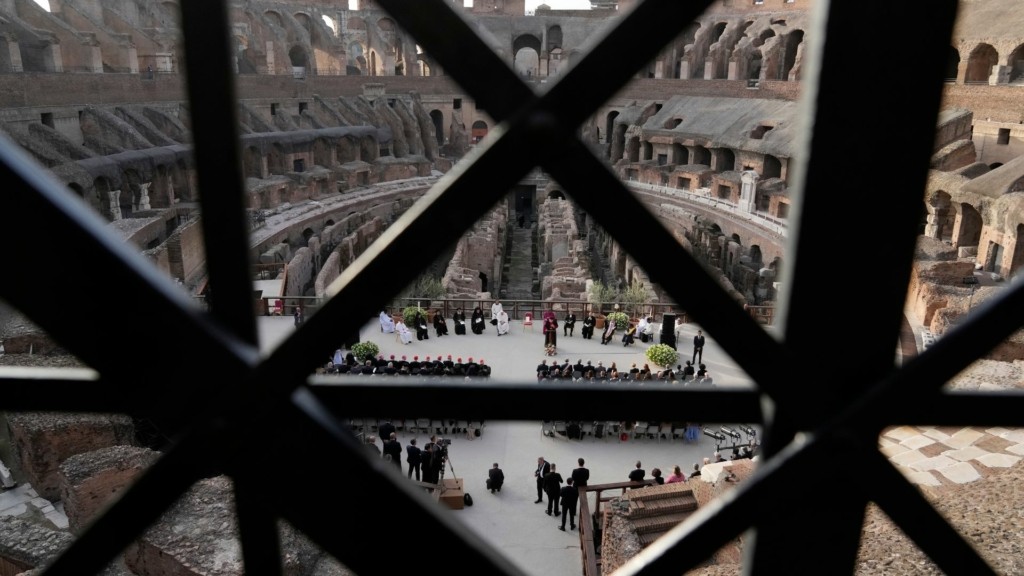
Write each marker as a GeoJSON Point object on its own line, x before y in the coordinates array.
{"type": "Point", "coordinates": [444, 442]}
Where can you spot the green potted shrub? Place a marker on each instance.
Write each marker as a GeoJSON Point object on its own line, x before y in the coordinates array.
{"type": "Point", "coordinates": [364, 351]}
{"type": "Point", "coordinates": [409, 314]}
{"type": "Point", "coordinates": [662, 355]}
{"type": "Point", "coordinates": [621, 320]}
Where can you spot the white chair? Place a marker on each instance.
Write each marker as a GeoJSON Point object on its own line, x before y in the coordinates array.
{"type": "Point", "coordinates": [665, 430]}
{"type": "Point", "coordinates": [652, 431]}
{"type": "Point", "coordinates": [437, 427]}
{"type": "Point", "coordinates": [423, 425]}
{"type": "Point", "coordinates": [586, 428]}
{"type": "Point", "coordinates": [547, 428]}
{"type": "Point", "coordinates": [639, 430]}
{"type": "Point", "coordinates": [560, 429]}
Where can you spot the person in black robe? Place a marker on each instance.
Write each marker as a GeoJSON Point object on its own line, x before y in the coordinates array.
{"type": "Point", "coordinates": [440, 325]}
{"type": "Point", "coordinates": [422, 330]}
{"type": "Point", "coordinates": [588, 327]}
{"type": "Point", "coordinates": [460, 321]}
{"type": "Point", "coordinates": [476, 322]}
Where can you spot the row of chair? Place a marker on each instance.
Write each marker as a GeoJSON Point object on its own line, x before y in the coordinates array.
{"type": "Point", "coordinates": [577, 430]}
{"type": "Point", "coordinates": [416, 426]}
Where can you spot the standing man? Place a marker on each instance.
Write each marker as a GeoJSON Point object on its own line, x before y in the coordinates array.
{"type": "Point", "coordinates": [412, 457]}
{"type": "Point", "coordinates": [698, 348]}
{"type": "Point", "coordinates": [580, 476]}
{"type": "Point", "coordinates": [385, 430]}
{"type": "Point", "coordinates": [553, 487]}
{"type": "Point", "coordinates": [570, 495]}
{"type": "Point", "coordinates": [299, 315]}
{"type": "Point", "coordinates": [542, 469]}
{"type": "Point", "coordinates": [393, 450]}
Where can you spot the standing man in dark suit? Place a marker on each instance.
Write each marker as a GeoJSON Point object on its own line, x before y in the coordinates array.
{"type": "Point", "coordinates": [412, 457]}
{"type": "Point", "coordinates": [580, 476]}
{"type": "Point", "coordinates": [569, 495]}
{"type": "Point", "coordinates": [386, 430]}
{"type": "Point", "coordinates": [553, 488]}
{"type": "Point", "coordinates": [542, 469]}
{"type": "Point", "coordinates": [698, 348]}
{"type": "Point", "coordinates": [393, 449]}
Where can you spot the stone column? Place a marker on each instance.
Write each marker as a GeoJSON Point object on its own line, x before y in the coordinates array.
{"type": "Point", "coordinates": [115, 204]}
{"type": "Point", "coordinates": [144, 196]}
{"type": "Point", "coordinates": [748, 190]}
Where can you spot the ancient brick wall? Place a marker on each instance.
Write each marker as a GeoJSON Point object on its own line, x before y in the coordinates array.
{"type": "Point", "coordinates": [90, 481]}
{"type": "Point", "coordinates": [42, 441]}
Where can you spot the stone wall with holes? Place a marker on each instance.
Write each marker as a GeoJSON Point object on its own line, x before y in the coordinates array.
{"type": "Point", "coordinates": [479, 250]}
{"type": "Point", "coordinates": [91, 481]}
{"type": "Point", "coordinates": [43, 441]}
{"type": "Point", "coordinates": [564, 257]}
{"type": "Point", "coordinates": [347, 250]}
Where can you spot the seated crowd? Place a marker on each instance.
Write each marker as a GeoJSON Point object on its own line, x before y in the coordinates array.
{"type": "Point", "coordinates": [402, 366]}
{"type": "Point", "coordinates": [579, 371]}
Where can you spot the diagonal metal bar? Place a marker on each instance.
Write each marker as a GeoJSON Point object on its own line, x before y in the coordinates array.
{"type": "Point", "coordinates": [393, 497]}
{"type": "Point", "coordinates": [210, 80]}
{"type": "Point", "coordinates": [908, 508]}
{"type": "Point", "coordinates": [137, 507]}
{"type": "Point", "coordinates": [257, 526]}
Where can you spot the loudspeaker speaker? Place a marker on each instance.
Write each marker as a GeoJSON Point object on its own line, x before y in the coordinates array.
{"type": "Point", "coordinates": [668, 330]}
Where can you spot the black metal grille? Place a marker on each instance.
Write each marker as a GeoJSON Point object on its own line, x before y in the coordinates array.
{"type": "Point", "coordinates": [818, 412]}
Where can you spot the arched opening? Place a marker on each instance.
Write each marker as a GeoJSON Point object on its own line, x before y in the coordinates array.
{"type": "Point", "coordinates": [1018, 252]}
{"type": "Point", "coordinates": [437, 119]}
{"type": "Point", "coordinates": [526, 50]}
{"type": "Point", "coordinates": [478, 131]}
{"type": "Point", "coordinates": [356, 65]}
{"type": "Point", "coordinates": [952, 64]}
{"type": "Point", "coordinates": [101, 188]}
{"type": "Point", "coordinates": [792, 41]}
{"type": "Point", "coordinates": [609, 125]}
{"type": "Point", "coordinates": [680, 154]}
{"type": "Point", "coordinates": [252, 162]}
{"type": "Point", "coordinates": [980, 63]}
{"type": "Point", "coordinates": [299, 62]}
{"type": "Point", "coordinates": [772, 167]}
{"type": "Point", "coordinates": [725, 160]}
{"type": "Point", "coordinates": [306, 235]}
{"type": "Point", "coordinates": [346, 150]}
{"type": "Point", "coordinates": [701, 155]}
{"type": "Point", "coordinates": [554, 37]}
{"type": "Point", "coordinates": [275, 160]}
{"type": "Point", "coordinates": [556, 195]}
{"type": "Point", "coordinates": [968, 233]}
{"type": "Point", "coordinates": [1015, 62]}
{"type": "Point", "coordinates": [633, 149]}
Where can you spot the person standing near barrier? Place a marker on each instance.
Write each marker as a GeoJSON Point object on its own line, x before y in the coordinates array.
{"type": "Point", "coordinates": [542, 469]}
{"type": "Point", "coordinates": [569, 495]}
{"type": "Point", "coordinates": [552, 487]}
{"type": "Point", "coordinates": [393, 451]}
{"type": "Point", "coordinates": [581, 475]}
{"type": "Point", "coordinates": [412, 458]}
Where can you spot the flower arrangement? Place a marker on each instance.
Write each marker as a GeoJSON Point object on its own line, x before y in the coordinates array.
{"type": "Point", "coordinates": [409, 314]}
{"type": "Point", "coordinates": [663, 355]}
{"type": "Point", "coordinates": [364, 351]}
{"type": "Point", "coordinates": [621, 319]}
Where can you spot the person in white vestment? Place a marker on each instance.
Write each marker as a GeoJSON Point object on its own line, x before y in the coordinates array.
{"type": "Point", "coordinates": [387, 324]}
{"type": "Point", "coordinates": [502, 322]}
{"type": "Point", "coordinates": [403, 332]}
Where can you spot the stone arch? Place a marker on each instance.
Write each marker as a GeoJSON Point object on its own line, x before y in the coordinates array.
{"type": "Point", "coordinates": [980, 63]}
{"type": "Point", "coordinates": [180, 176]}
{"type": "Point", "coordinates": [725, 160]}
{"type": "Point", "coordinates": [968, 230]}
{"type": "Point", "coordinates": [275, 160]}
{"type": "Point", "coordinates": [1015, 63]}
{"type": "Point", "coordinates": [556, 194]}
{"type": "Point", "coordinates": [701, 155]}
{"type": "Point", "coordinates": [952, 64]}
{"type": "Point", "coordinates": [526, 50]}
{"type": "Point", "coordinates": [274, 17]}
{"type": "Point", "coordinates": [368, 149]}
{"type": "Point", "coordinates": [1017, 258]}
{"type": "Point", "coordinates": [754, 64]}
{"type": "Point", "coordinates": [609, 125]}
{"type": "Point", "coordinates": [131, 192]}
{"type": "Point", "coordinates": [160, 193]}
{"type": "Point", "coordinates": [252, 162]}
{"type": "Point", "coordinates": [791, 47]}
{"type": "Point", "coordinates": [356, 65]}
{"type": "Point", "coordinates": [322, 153]}
{"type": "Point", "coordinates": [101, 189]}
{"type": "Point", "coordinates": [756, 257]}
{"type": "Point", "coordinates": [299, 58]}
{"type": "Point", "coordinates": [437, 119]}
{"type": "Point", "coordinates": [554, 37]}
{"type": "Point", "coordinates": [478, 131]}
{"type": "Point", "coordinates": [307, 233]}
{"type": "Point", "coordinates": [772, 167]}
{"type": "Point", "coordinates": [633, 149]}
{"type": "Point", "coordinates": [346, 150]}
{"type": "Point", "coordinates": [680, 154]}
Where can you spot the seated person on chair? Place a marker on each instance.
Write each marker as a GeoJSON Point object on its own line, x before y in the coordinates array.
{"type": "Point", "coordinates": [627, 338]}
{"type": "Point", "coordinates": [387, 324]}
{"type": "Point", "coordinates": [495, 478]}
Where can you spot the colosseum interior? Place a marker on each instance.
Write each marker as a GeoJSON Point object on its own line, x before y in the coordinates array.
{"type": "Point", "coordinates": [344, 123]}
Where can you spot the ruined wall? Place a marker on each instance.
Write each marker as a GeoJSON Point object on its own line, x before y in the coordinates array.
{"type": "Point", "coordinates": [90, 481]}
{"type": "Point", "coordinates": [301, 270]}
{"type": "Point", "coordinates": [42, 441]}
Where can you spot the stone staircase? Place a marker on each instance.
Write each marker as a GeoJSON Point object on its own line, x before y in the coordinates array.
{"type": "Point", "coordinates": [518, 281]}
{"type": "Point", "coordinates": [656, 513]}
